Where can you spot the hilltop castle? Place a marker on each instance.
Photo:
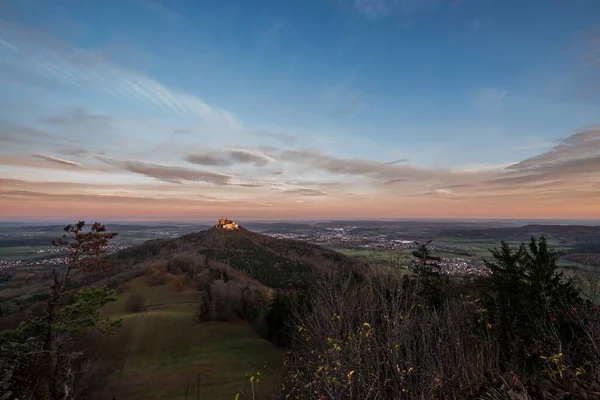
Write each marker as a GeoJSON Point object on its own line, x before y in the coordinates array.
{"type": "Point", "coordinates": [227, 224]}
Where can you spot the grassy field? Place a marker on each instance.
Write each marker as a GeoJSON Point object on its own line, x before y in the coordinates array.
{"type": "Point", "coordinates": [163, 353]}
{"type": "Point", "coordinates": [20, 252]}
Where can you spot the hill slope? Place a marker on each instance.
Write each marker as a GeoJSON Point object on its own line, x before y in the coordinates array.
{"type": "Point", "coordinates": [277, 263]}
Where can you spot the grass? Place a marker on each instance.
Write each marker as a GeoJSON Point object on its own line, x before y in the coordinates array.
{"type": "Point", "coordinates": [14, 253]}
{"type": "Point", "coordinates": [163, 352]}
{"type": "Point", "coordinates": [166, 293]}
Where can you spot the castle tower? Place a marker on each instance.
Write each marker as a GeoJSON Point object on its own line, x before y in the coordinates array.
{"type": "Point", "coordinates": [226, 224]}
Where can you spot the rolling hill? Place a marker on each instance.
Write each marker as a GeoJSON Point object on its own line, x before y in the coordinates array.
{"type": "Point", "coordinates": [276, 263]}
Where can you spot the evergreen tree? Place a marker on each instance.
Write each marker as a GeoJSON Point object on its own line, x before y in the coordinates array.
{"type": "Point", "coordinates": [429, 275]}
{"type": "Point", "coordinates": [524, 293]}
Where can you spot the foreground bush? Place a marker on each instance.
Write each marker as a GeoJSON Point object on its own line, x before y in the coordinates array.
{"type": "Point", "coordinates": [523, 333]}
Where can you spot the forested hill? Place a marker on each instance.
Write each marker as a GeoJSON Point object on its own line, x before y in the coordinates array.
{"type": "Point", "coordinates": [277, 263]}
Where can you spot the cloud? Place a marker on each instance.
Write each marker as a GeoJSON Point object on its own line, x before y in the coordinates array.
{"type": "Point", "coordinates": [394, 181]}
{"type": "Point", "coordinates": [57, 160]}
{"type": "Point", "coordinates": [249, 157]}
{"type": "Point", "coordinates": [181, 131]}
{"type": "Point", "coordinates": [250, 184]}
{"type": "Point", "coordinates": [48, 57]}
{"type": "Point", "coordinates": [14, 133]}
{"type": "Point", "coordinates": [444, 191]}
{"type": "Point", "coordinates": [489, 97]}
{"type": "Point", "coordinates": [575, 155]}
{"type": "Point", "coordinates": [305, 192]}
{"type": "Point", "coordinates": [166, 173]}
{"type": "Point", "coordinates": [208, 159]}
{"type": "Point", "coordinates": [77, 116]}
{"type": "Point", "coordinates": [399, 161]}
{"type": "Point", "coordinates": [376, 170]}
{"type": "Point", "coordinates": [75, 152]}
{"type": "Point", "coordinates": [302, 182]}
{"type": "Point", "coordinates": [229, 157]}
{"type": "Point", "coordinates": [277, 135]}
{"type": "Point", "coordinates": [101, 198]}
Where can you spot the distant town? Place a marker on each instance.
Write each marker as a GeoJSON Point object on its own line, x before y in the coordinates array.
{"type": "Point", "coordinates": [354, 238]}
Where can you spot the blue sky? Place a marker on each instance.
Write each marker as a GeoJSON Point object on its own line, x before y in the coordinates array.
{"type": "Point", "coordinates": [293, 96]}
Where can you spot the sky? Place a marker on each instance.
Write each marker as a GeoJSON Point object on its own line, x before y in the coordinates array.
{"type": "Point", "coordinates": [333, 109]}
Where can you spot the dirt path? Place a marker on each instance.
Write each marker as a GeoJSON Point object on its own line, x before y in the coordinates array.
{"type": "Point", "coordinates": [134, 344]}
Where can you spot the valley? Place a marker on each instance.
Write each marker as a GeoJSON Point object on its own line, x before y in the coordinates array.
{"type": "Point", "coordinates": [204, 312]}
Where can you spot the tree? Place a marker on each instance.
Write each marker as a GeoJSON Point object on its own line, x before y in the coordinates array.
{"type": "Point", "coordinates": [527, 280]}
{"type": "Point", "coordinates": [86, 254]}
{"type": "Point", "coordinates": [546, 283]}
{"type": "Point", "coordinates": [429, 275]}
{"type": "Point", "coordinates": [205, 309]}
{"type": "Point", "coordinates": [46, 344]}
{"type": "Point", "coordinates": [135, 303]}
{"type": "Point", "coordinates": [525, 291]}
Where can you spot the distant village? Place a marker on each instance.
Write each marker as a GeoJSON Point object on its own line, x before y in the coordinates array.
{"type": "Point", "coordinates": [346, 238]}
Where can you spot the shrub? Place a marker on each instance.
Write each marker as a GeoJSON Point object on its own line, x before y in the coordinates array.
{"type": "Point", "coordinates": [185, 264]}
{"type": "Point", "coordinates": [179, 282]}
{"type": "Point", "coordinates": [522, 333]}
{"type": "Point", "coordinates": [376, 339]}
{"type": "Point", "coordinates": [158, 274]}
{"type": "Point", "coordinates": [135, 303]}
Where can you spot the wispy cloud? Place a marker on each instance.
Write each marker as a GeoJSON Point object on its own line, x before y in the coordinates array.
{"type": "Point", "coordinates": [57, 160]}
{"type": "Point", "coordinates": [206, 159]}
{"type": "Point", "coordinates": [14, 133]}
{"type": "Point", "coordinates": [574, 156]}
{"type": "Point", "coordinates": [249, 157]}
{"type": "Point", "coordinates": [48, 57]}
{"type": "Point", "coordinates": [284, 137]}
{"type": "Point", "coordinates": [229, 157]}
{"type": "Point", "coordinates": [269, 35]}
{"type": "Point", "coordinates": [395, 181]}
{"type": "Point", "coordinates": [489, 97]}
{"type": "Point", "coordinates": [75, 152]}
{"type": "Point", "coordinates": [104, 198]}
{"type": "Point", "coordinates": [305, 192]}
{"type": "Point", "coordinates": [167, 173]}
{"type": "Point", "coordinates": [78, 116]}
{"type": "Point", "coordinates": [375, 170]}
